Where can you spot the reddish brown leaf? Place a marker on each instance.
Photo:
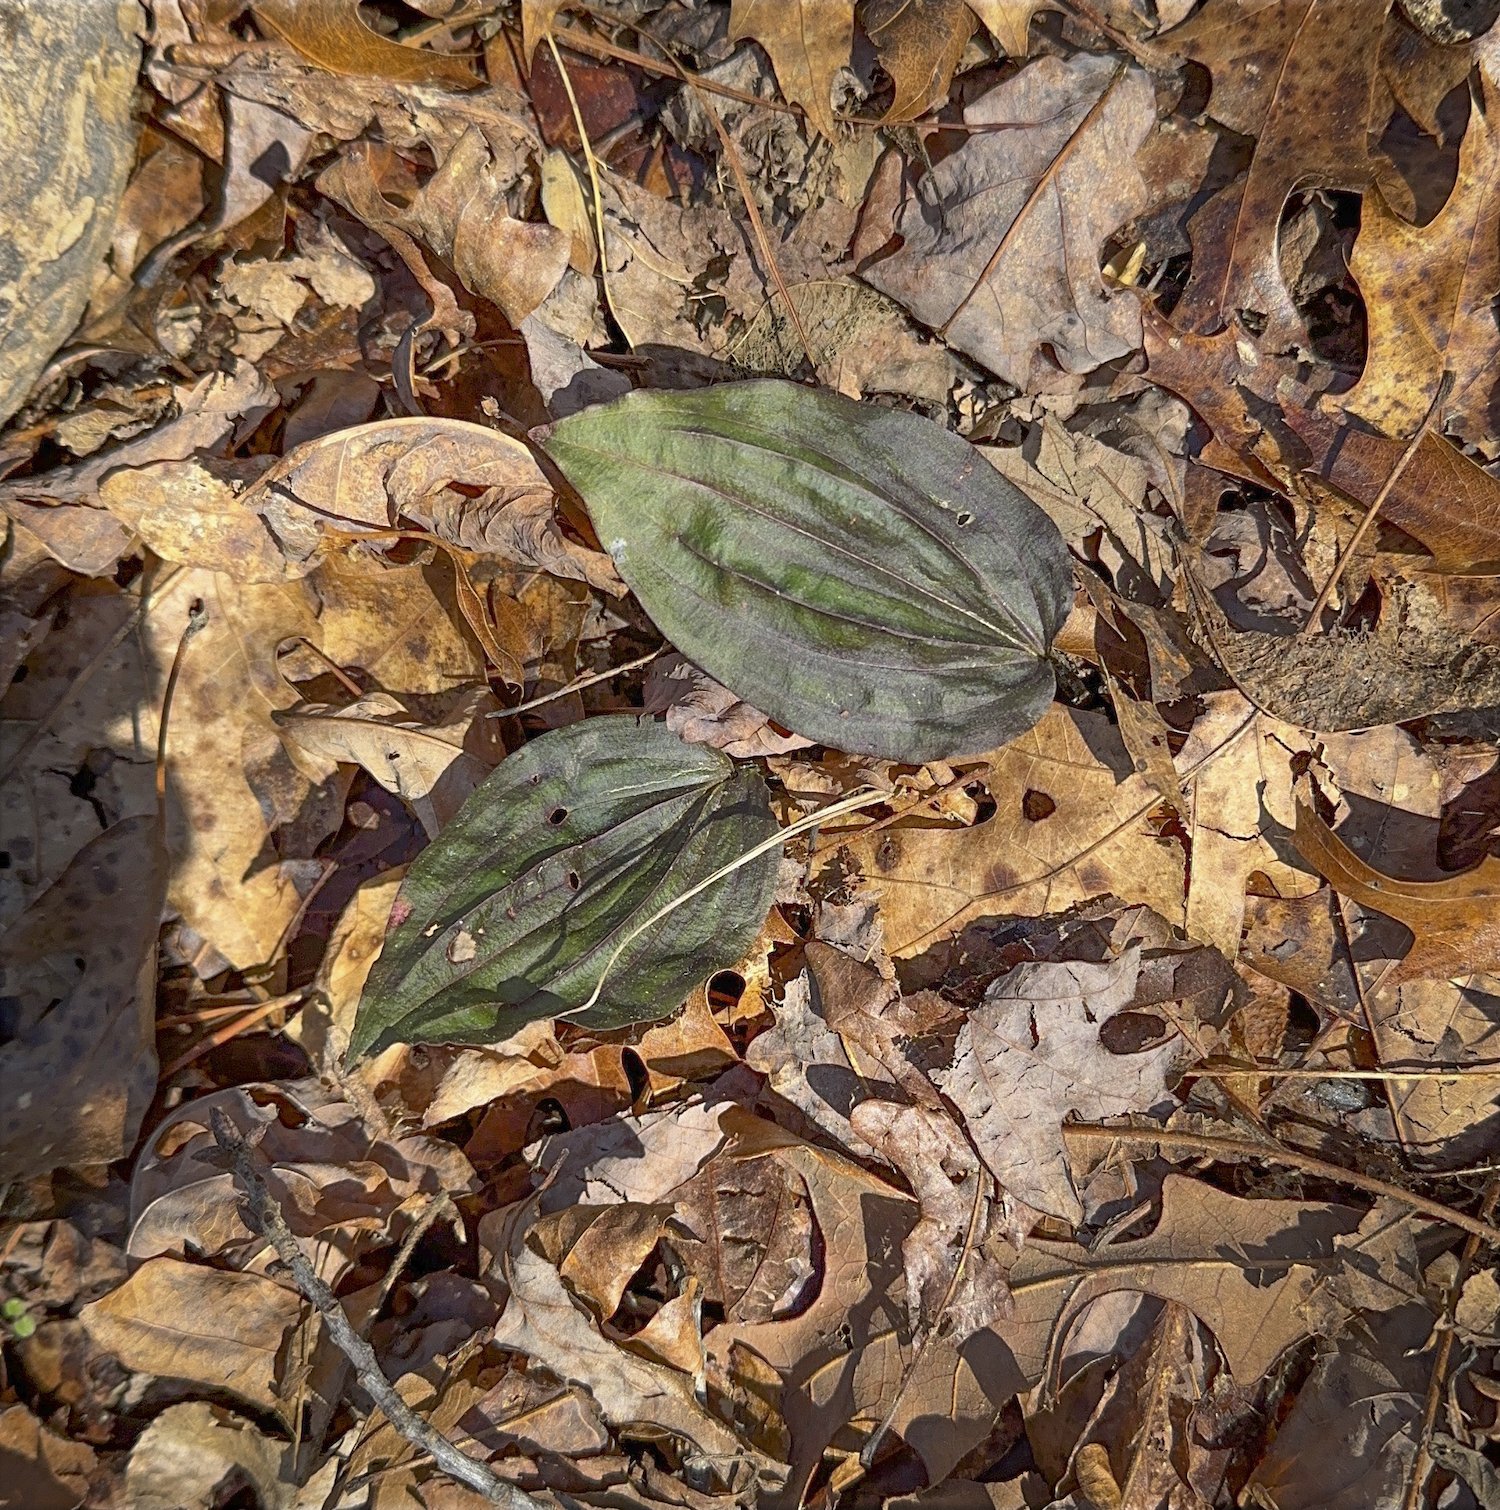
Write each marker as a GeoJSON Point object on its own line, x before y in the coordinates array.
{"type": "Point", "coordinates": [1455, 922]}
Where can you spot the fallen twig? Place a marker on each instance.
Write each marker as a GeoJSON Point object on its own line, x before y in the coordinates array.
{"type": "Point", "coordinates": [265, 1218]}
{"type": "Point", "coordinates": [1214, 1146]}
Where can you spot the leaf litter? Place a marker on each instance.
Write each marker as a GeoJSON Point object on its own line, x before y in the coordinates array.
{"type": "Point", "coordinates": [735, 995]}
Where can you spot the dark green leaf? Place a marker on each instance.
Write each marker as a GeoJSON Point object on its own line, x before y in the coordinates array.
{"type": "Point", "coordinates": [858, 573]}
{"type": "Point", "coordinates": [514, 911]}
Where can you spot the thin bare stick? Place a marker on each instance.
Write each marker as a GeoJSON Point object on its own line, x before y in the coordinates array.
{"type": "Point", "coordinates": [1213, 1146]}
{"type": "Point", "coordinates": [1445, 386]}
{"type": "Point", "coordinates": [242, 1024]}
{"type": "Point", "coordinates": [1276, 1072]}
{"type": "Point", "coordinates": [590, 680]}
{"type": "Point", "coordinates": [265, 1218]}
{"type": "Point", "coordinates": [1422, 1462]}
{"type": "Point", "coordinates": [592, 165]}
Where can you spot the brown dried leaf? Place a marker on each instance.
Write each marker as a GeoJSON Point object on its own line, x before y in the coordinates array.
{"type": "Point", "coordinates": [1245, 1268]}
{"type": "Point", "coordinates": [1002, 243]}
{"type": "Point", "coordinates": [920, 43]}
{"type": "Point", "coordinates": [192, 1451]}
{"type": "Point", "coordinates": [79, 1050]}
{"type": "Point", "coordinates": [331, 34]}
{"type": "Point", "coordinates": [808, 42]}
{"type": "Point", "coordinates": [220, 1331]}
{"type": "Point", "coordinates": [43, 1471]}
{"type": "Point", "coordinates": [1009, 22]}
{"type": "Point", "coordinates": [1275, 67]}
{"type": "Point", "coordinates": [1429, 296]}
{"type": "Point", "coordinates": [1072, 824]}
{"type": "Point", "coordinates": [703, 711]}
{"type": "Point", "coordinates": [544, 1321]}
{"type": "Point", "coordinates": [1455, 923]}
{"type": "Point", "coordinates": [1032, 1053]}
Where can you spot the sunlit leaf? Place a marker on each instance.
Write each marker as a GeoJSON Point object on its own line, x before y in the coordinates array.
{"type": "Point", "coordinates": [518, 908]}
{"type": "Point", "coordinates": [861, 575]}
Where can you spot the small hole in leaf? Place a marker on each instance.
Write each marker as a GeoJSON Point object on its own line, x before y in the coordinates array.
{"type": "Point", "coordinates": [725, 988]}
{"type": "Point", "coordinates": [965, 518]}
{"type": "Point", "coordinates": [1037, 806]}
{"type": "Point", "coordinates": [574, 880]}
{"type": "Point", "coordinates": [557, 816]}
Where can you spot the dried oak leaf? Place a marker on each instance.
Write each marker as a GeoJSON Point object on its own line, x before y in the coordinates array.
{"type": "Point", "coordinates": [1429, 293]}
{"type": "Point", "coordinates": [1455, 923]}
{"type": "Point", "coordinates": [1276, 67]}
{"type": "Point", "coordinates": [1032, 1053]}
{"type": "Point", "coordinates": [920, 43]}
{"type": "Point", "coordinates": [331, 34]}
{"type": "Point", "coordinates": [1245, 1268]}
{"type": "Point", "coordinates": [808, 41]}
{"type": "Point", "coordinates": [1002, 241]}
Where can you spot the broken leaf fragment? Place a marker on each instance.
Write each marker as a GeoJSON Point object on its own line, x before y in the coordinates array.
{"type": "Point", "coordinates": [859, 574]}
{"type": "Point", "coordinates": [551, 879]}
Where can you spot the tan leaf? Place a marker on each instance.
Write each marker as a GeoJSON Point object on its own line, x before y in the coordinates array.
{"type": "Point", "coordinates": [704, 712]}
{"type": "Point", "coordinates": [1429, 295]}
{"type": "Point", "coordinates": [425, 765]}
{"type": "Point", "coordinates": [1033, 1053]}
{"type": "Point", "coordinates": [80, 1051]}
{"type": "Point", "coordinates": [1245, 1268]}
{"type": "Point", "coordinates": [191, 512]}
{"type": "Point", "coordinates": [221, 1331]}
{"type": "Point", "coordinates": [808, 42]}
{"type": "Point", "coordinates": [1455, 922]}
{"type": "Point", "coordinates": [920, 43]}
{"type": "Point", "coordinates": [1009, 22]}
{"type": "Point", "coordinates": [1001, 245]}
{"type": "Point", "coordinates": [43, 1471]}
{"type": "Point", "coordinates": [544, 1321]}
{"type": "Point", "coordinates": [366, 478]}
{"type": "Point", "coordinates": [1072, 824]}
{"type": "Point", "coordinates": [190, 1451]}
{"type": "Point", "coordinates": [331, 34]}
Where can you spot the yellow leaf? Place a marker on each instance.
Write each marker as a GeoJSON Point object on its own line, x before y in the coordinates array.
{"type": "Point", "coordinates": [808, 42]}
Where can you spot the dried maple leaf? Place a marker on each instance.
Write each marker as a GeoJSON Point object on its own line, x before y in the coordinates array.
{"type": "Point", "coordinates": [808, 42]}
{"type": "Point", "coordinates": [1276, 66]}
{"type": "Point", "coordinates": [1429, 294]}
{"type": "Point", "coordinates": [1002, 243]}
{"type": "Point", "coordinates": [1455, 923]}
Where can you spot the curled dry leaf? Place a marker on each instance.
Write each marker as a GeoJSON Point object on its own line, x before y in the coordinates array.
{"type": "Point", "coordinates": [702, 711]}
{"type": "Point", "coordinates": [1002, 243]}
{"type": "Point", "coordinates": [371, 477]}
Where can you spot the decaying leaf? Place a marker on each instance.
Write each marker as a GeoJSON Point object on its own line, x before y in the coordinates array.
{"type": "Point", "coordinates": [1032, 1053]}
{"type": "Point", "coordinates": [222, 1331]}
{"type": "Point", "coordinates": [79, 1051]}
{"type": "Point", "coordinates": [1455, 923]}
{"type": "Point", "coordinates": [1002, 242]}
{"type": "Point", "coordinates": [904, 604]}
{"type": "Point", "coordinates": [331, 34]}
{"type": "Point", "coordinates": [808, 42]}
